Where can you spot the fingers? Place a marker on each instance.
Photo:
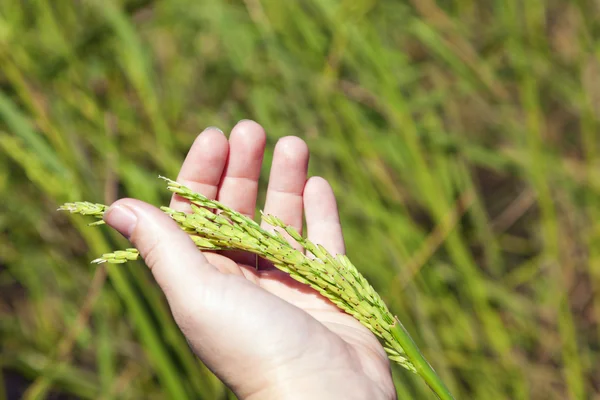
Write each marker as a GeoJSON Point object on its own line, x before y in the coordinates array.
{"type": "Point", "coordinates": [322, 218]}
{"type": "Point", "coordinates": [236, 165]}
{"type": "Point", "coordinates": [177, 265]}
{"type": "Point", "coordinates": [202, 169]}
{"type": "Point", "coordinates": [239, 186]}
{"type": "Point", "coordinates": [286, 182]}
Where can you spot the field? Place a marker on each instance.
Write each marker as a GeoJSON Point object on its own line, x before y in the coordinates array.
{"type": "Point", "coordinates": [461, 137]}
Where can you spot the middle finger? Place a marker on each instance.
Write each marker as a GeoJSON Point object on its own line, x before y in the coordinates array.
{"type": "Point", "coordinates": [239, 185]}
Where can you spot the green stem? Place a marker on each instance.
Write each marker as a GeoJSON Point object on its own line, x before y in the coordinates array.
{"type": "Point", "coordinates": [424, 370]}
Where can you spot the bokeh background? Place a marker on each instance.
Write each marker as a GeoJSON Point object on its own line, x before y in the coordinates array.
{"type": "Point", "coordinates": [460, 136]}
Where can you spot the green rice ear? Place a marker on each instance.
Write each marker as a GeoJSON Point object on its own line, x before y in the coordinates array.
{"type": "Point", "coordinates": [334, 277]}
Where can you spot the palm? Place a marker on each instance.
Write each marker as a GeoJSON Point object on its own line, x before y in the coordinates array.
{"type": "Point", "coordinates": [292, 316]}
{"type": "Point", "coordinates": [356, 348]}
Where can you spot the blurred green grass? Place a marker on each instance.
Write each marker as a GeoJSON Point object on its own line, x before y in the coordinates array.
{"type": "Point", "coordinates": [461, 137]}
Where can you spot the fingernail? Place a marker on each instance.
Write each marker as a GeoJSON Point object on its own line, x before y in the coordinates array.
{"type": "Point", "coordinates": [213, 128]}
{"type": "Point", "coordinates": [122, 218]}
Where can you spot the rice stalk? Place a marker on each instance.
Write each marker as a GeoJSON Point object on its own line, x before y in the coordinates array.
{"type": "Point", "coordinates": [95, 210]}
{"type": "Point", "coordinates": [333, 276]}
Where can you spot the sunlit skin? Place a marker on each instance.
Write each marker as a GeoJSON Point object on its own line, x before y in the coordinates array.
{"type": "Point", "coordinates": [265, 335]}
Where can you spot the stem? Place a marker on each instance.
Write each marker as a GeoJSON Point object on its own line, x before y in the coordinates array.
{"type": "Point", "coordinates": [424, 370]}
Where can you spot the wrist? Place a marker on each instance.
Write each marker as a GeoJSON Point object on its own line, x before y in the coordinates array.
{"type": "Point", "coordinates": [326, 385]}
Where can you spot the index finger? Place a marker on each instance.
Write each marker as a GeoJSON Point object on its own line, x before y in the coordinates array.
{"type": "Point", "coordinates": [203, 166]}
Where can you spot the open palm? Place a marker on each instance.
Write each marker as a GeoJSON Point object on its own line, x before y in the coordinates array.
{"type": "Point", "coordinates": [261, 332]}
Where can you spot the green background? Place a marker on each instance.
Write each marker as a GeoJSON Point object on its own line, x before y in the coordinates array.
{"type": "Point", "coordinates": [460, 136]}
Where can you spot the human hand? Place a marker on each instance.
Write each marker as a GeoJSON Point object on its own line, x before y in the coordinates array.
{"type": "Point", "coordinates": [262, 333]}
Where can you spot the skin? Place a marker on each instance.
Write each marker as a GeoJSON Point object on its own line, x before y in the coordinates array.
{"type": "Point", "coordinates": [263, 334]}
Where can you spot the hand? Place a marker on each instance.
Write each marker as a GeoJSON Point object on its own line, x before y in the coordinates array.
{"type": "Point", "coordinates": [263, 334]}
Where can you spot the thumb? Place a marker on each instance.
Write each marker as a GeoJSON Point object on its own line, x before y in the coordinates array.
{"type": "Point", "coordinates": [177, 265]}
{"type": "Point", "coordinates": [216, 312]}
